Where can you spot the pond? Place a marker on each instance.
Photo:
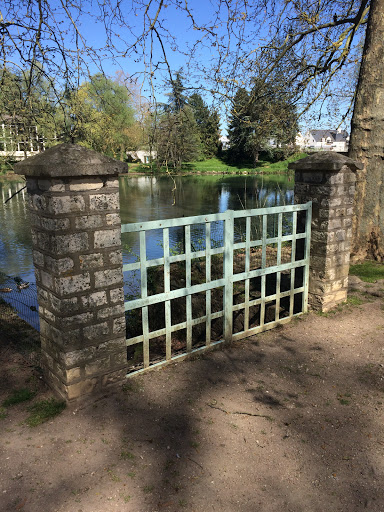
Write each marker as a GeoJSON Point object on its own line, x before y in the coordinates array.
{"type": "Point", "coordinates": [145, 198]}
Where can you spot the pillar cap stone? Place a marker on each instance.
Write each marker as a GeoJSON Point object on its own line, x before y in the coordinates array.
{"type": "Point", "coordinates": [69, 160]}
{"type": "Point", "coordinates": [325, 161]}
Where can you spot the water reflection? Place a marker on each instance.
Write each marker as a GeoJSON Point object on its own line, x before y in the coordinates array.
{"type": "Point", "coordinates": [145, 198]}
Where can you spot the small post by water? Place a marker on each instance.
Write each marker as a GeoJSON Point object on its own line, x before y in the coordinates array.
{"type": "Point", "coordinates": [75, 217]}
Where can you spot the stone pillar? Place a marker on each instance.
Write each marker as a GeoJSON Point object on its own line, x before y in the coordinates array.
{"type": "Point", "coordinates": [75, 217]}
{"type": "Point", "coordinates": [328, 180]}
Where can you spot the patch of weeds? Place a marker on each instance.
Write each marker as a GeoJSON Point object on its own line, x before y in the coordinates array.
{"type": "Point", "coordinates": [125, 497]}
{"type": "Point", "coordinates": [194, 444]}
{"type": "Point", "coordinates": [148, 488]}
{"type": "Point", "coordinates": [126, 455]}
{"type": "Point", "coordinates": [182, 503]}
{"type": "Point", "coordinates": [353, 300]}
{"type": "Point", "coordinates": [369, 271]}
{"type": "Point", "coordinates": [131, 474]}
{"type": "Point", "coordinates": [113, 475]}
{"type": "Point", "coordinates": [131, 386]}
{"type": "Point", "coordinates": [43, 411]}
{"type": "Point", "coordinates": [105, 441]}
{"type": "Point", "coordinates": [3, 413]}
{"type": "Point", "coordinates": [18, 396]}
{"type": "Point", "coordinates": [343, 399]}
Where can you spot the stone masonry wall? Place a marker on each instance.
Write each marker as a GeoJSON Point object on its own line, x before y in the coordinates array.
{"type": "Point", "coordinates": [328, 180]}
{"type": "Point", "coordinates": [78, 264]}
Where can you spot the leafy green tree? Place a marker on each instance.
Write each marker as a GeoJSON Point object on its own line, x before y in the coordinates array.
{"type": "Point", "coordinates": [239, 129]}
{"type": "Point", "coordinates": [265, 115]}
{"type": "Point", "coordinates": [178, 138]}
{"type": "Point", "coordinates": [100, 113]}
{"type": "Point", "coordinates": [208, 122]}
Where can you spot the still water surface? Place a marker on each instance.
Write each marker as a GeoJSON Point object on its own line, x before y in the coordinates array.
{"type": "Point", "coordinates": [144, 198]}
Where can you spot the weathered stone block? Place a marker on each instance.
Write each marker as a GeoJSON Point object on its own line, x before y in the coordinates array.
{"type": "Point", "coordinates": [46, 280]}
{"type": "Point", "coordinates": [94, 299]}
{"type": "Point", "coordinates": [100, 202]}
{"type": "Point", "coordinates": [119, 325]}
{"type": "Point", "coordinates": [112, 183]}
{"type": "Point", "coordinates": [89, 222]}
{"type": "Point", "coordinates": [73, 284]}
{"type": "Point", "coordinates": [59, 266]}
{"type": "Point", "coordinates": [104, 278]}
{"type": "Point", "coordinates": [38, 258]}
{"type": "Point", "coordinates": [98, 367]}
{"type": "Point", "coordinates": [117, 295]}
{"type": "Point", "coordinates": [66, 204]}
{"type": "Point", "coordinates": [37, 202]}
{"type": "Point", "coordinates": [91, 261]}
{"type": "Point", "coordinates": [70, 243]}
{"type": "Point", "coordinates": [86, 184]}
{"type": "Point", "coordinates": [113, 219]}
{"type": "Point", "coordinates": [80, 389]}
{"type": "Point", "coordinates": [116, 257]}
{"type": "Point", "coordinates": [49, 224]}
{"type": "Point", "coordinates": [78, 357]}
{"type": "Point", "coordinates": [107, 238]}
{"type": "Point", "coordinates": [95, 331]}
{"type": "Point", "coordinates": [64, 306]}
{"type": "Point", "coordinates": [81, 318]}
{"type": "Point", "coordinates": [117, 309]}
{"type": "Point", "coordinates": [72, 375]}
{"type": "Point", "coordinates": [51, 185]}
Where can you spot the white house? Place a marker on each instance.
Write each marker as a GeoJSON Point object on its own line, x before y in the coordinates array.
{"type": "Point", "coordinates": [145, 156]}
{"type": "Point", "coordinates": [328, 140]}
{"type": "Point", "coordinates": [18, 141]}
{"type": "Point", "coordinates": [224, 142]}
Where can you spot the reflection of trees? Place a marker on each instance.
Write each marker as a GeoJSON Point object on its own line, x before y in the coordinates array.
{"type": "Point", "coordinates": [147, 198]}
{"type": "Point", "coordinates": [15, 236]}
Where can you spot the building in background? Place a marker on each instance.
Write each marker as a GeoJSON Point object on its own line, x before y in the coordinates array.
{"type": "Point", "coordinates": [324, 140]}
{"type": "Point", "coordinates": [18, 141]}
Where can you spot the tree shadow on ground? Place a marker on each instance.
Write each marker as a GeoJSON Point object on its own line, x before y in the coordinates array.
{"type": "Point", "coordinates": [289, 420]}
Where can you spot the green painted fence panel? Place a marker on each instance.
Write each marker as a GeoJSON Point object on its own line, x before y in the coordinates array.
{"type": "Point", "coordinates": [251, 282]}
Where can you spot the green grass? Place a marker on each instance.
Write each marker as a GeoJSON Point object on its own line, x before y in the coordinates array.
{"type": "Point", "coordinates": [43, 411]}
{"type": "Point", "coordinates": [215, 165]}
{"type": "Point", "coordinates": [369, 271]}
{"type": "Point", "coordinates": [352, 300]}
{"type": "Point", "coordinates": [18, 396]}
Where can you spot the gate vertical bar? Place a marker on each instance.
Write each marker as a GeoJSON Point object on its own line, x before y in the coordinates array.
{"type": "Point", "coordinates": [208, 280]}
{"type": "Point", "coordinates": [144, 294]}
{"type": "Point", "coordinates": [263, 265]}
{"type": "Point", "coordinates": [188, 283]}
{"type": "Point", "coordinates": [228, 275]}
{"type": "Point", "coordinates": [278, 262]}
{"type": "Point", "coordinates": [167, 289]}
{"type": "Point", "coordinates": [293, 258]}
{"type": "Point", "coordinates": [247, 268]}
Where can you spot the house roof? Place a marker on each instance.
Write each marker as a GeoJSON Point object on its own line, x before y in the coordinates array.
{"type": "Point", "coordinates": [336, 136]}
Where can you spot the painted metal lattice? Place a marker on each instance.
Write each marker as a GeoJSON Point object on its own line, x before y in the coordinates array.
{"type": "Point", "coordinates": [213, 278]}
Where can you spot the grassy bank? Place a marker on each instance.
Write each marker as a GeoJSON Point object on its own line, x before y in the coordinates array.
{"type": "Point", "coordinates": [217, 166]}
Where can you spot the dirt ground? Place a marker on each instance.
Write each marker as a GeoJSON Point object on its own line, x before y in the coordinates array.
{"type": "Point", "coordinates": [290, 420]}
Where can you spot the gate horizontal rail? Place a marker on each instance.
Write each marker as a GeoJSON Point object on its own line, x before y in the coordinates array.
{"type": "Point", "coordinates": [270, 294]}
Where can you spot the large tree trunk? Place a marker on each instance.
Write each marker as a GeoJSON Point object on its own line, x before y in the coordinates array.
{"type": "Point", "coordinates": [367, 142]}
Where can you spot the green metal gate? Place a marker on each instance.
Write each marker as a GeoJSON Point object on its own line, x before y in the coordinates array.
{"type": "Point", "coordinates": [219, 278]}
